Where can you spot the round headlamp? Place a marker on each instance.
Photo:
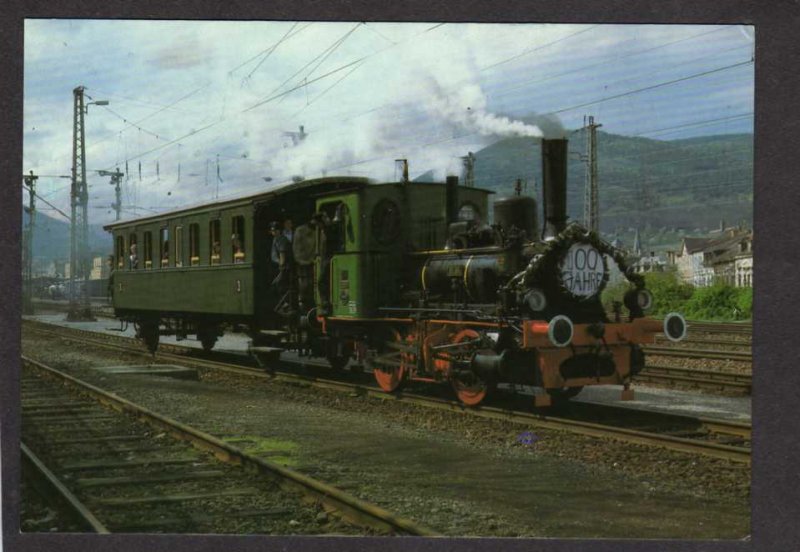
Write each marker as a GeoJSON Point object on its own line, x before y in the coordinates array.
{"type": "Point", "coordinates": [644, 299]}
{"type": "Point", "coordinates": [674, 326]}
{"type": "Point", "coordinates": [638, 299]}
{"type": "Point", "coordinates": [560, 331]}
{"type": "Point", "coordinates": [536, 300]}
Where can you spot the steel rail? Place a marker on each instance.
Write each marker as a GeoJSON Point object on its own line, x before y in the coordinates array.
{"type": "Point", "coordinates": [54, 487]}
{"type": "Point", "coordinates": [699, 353]}
{"type": "Point", "coordinates": [701, 378]}
{"type": "Point", "coordinates": [334, 500]}
{"type": "Point", "coordinates": [726, 342]}
{"type": "Point", "coordinates": [694, 446]}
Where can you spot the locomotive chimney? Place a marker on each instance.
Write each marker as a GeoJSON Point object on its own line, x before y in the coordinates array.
{"type": "Point", "coordinates": [451, 200]}
{"type": "Point", "coordinates": [554, 186]}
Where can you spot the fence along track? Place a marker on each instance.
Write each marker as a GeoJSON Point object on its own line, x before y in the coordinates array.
{"type": "Point", "coordinates": [344, 505]}
{"type": "Point", "coordinates": [694, 446]}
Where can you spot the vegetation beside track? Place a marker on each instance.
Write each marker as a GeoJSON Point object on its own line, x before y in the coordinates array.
{"type": "Point", "coordinates": [717, 303]}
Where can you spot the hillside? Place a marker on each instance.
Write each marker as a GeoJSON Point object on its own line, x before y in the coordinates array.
{"type": "Point", "coordinates": [689, 184]}
{"type": "Point", "coordinates": [51, 238]}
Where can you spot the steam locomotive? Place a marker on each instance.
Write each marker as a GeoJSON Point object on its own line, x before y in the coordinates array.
{"type": "Point", "coordinates": [403, 278]}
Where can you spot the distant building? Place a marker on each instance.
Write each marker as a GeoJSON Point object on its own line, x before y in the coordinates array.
{"type": "Point", "coordinates": [732, 260]}
{"type": "Point", "coordinates": [100, 269]}
{"type": "Point", "coordinates": [57, 268]}
{"type": "Point", "coordinates": [726, 257]}
{"type": "Point", "coordinates": [650, 263]}
{"type": "Point", "coordinates": [637, 244]}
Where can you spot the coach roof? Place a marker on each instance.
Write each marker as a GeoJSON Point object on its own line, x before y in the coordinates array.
{"type": "Point", "coordinates": [349, 181]}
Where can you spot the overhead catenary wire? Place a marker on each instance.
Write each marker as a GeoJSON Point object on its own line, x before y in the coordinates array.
{"type": "Point", "coordinates": [271, 50]}
{"type": "Point", "coordinates": [654, 86]}
{"type": "Point", "coordinates": [314, 99]}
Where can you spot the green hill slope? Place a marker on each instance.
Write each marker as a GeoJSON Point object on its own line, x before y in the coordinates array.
{"type": "Point", "coordinates": [691, 183]}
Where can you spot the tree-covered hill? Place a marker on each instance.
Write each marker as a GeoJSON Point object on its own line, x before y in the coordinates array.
{"type": "Point", "coordinates": [689, 184]}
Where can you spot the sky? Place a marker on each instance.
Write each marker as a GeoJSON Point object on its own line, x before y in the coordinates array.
{"type": "Point", "coordinates": [206, 108]}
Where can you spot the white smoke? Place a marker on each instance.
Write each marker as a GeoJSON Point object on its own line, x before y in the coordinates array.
{"type": "Point", "coordinates": [430, 109]}
{"type": "Point", "coordinates": [466, 106]}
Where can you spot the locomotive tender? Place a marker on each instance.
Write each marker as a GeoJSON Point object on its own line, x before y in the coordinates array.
{"type": "Point", "coordinates": [405, 278]}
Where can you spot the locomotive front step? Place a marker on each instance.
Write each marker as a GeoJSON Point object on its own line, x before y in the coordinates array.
{"type": "Point", "coordinates": [265, 355]}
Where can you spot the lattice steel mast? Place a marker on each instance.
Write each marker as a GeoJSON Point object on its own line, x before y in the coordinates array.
{"type": "Point", "coordinates": [79, 306]}
{"type": "Point", "coordinates": [30, 183]}
{"type": "Point", "coordinates": [591, 217]}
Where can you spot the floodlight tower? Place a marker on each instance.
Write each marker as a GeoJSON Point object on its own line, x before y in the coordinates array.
{"type": "Point", "coordinates": [79, 307]}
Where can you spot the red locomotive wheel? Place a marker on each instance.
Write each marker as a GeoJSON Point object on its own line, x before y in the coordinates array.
{"type": "Point", "coordinates": [470, 393]}
{"type": "Point", "coordinates": [470, 389]}
{"type": "Point", "coordinates": [390, 378]}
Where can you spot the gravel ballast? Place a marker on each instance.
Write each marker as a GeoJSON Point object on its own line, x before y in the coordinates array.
{"type": "Point", "coordinates": [457, 474]}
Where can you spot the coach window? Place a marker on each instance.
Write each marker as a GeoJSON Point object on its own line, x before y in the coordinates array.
{"type": "Point", "coordinates": [164, 245]}
{"type": "Point", "coordinates": [179, 246]}
{"type": "Point", "coordinates": [194, 244]}
{"type": "Point", "coordinates": [237, 239]}
{"type": "Point", "coordinates": [133, 252]}
{"type": "Point", "coordinates": [120, 252]}
{"type": "Point", "coordinates": [215, 241]}
{"type": "Point", "coordinates": [147, 249]}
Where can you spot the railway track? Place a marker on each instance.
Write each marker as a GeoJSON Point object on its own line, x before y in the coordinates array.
{"type": "Point", "coordinates": [714, 354]}
{"type": "Point", "coordinates": [705, 379]}
{"type": "Point", "coordinates": [705, 341]}
{"type": "Point", "coordinates": [115, 466]}
{"type": "Point", "coordinates": [722, 327]}
{"type": "Point", "coordinates": [696, 440]}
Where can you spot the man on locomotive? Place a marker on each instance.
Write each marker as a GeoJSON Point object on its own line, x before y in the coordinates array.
{"type": "Point", "coordinates": [280, 254]}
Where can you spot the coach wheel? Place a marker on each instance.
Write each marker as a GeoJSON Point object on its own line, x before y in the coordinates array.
{"type": "Point", "coordinates": [207, 340]}
{"type": "Point", "coordinates": [391, 367]}
{"type": "Point", "coordinates": [149, 333]}
{"type": "Point", "coordinates": [564, 394]}
{"type": "Point", "coordinates": [470, 388]}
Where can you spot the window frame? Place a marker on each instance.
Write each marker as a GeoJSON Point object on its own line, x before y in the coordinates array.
{"type": "Point", "coordinates": [240, 256]}
{"type": "Point", "coordinates": [163, 239]}
{"type": "Point", "coordinates": [147, 249]}
{"type": "Point", "coordinates": [120, 250]}
{"type": "Point", "coordinates": [194, 244]}
{"type": "Point", "coordinates": [178, 245]}
{"type": "Point", "coordinates": [215, 224]}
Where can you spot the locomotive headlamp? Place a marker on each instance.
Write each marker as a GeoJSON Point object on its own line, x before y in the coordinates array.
{"type": "Point", "coordinates": [560, 331]}
{"type": "Point", "coordinates": [674, 326]}
{"type": "Point", "coordinates": [644, 299]}
{"type": "Point", "coordinates": [536, 300]}
{"type": "Point", "coordinates": [638, 300]}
